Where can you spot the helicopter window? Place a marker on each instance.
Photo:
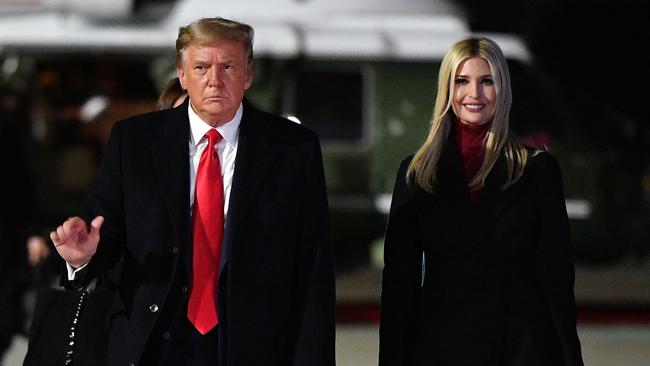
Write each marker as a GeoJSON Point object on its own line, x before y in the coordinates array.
{"type": "Point", "coordinates": [330, 103]}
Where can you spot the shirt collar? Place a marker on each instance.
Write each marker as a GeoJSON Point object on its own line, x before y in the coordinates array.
{"type": "Point", "coordinates": [229, 130]}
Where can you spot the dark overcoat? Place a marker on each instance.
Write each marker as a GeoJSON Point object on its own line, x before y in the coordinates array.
{"type": "Point", "coordinates": [276, 287]}
{"type": "Point", "coordinates": [485, 284]}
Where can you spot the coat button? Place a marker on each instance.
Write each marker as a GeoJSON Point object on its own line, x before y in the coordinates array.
{"type": "Point", "coordinates": [175, 250]}
{"type": "Point", "coordinates": [166, 336]}
{"type": "Point", "coordinates": [153, 308]}
{"type": "Point", "coordinates": [185, 289]}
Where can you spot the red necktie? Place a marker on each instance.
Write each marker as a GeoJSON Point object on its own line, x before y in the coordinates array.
{"type": "Point", "coordinates": [207, 226]}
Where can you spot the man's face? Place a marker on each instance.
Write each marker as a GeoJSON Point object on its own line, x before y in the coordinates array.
{"type": "Point", "coordinates": [215, 77]}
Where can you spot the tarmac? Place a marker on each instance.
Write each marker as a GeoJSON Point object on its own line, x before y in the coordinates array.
{"type": "Point", "coordinates": [357, 345]}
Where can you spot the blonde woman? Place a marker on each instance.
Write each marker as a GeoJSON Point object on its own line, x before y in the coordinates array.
{"type": "Point", "coordinates": [478, 267]}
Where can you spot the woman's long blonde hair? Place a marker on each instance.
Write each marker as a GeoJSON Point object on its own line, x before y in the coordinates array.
{"type": "Point", "coordinates": [498, 140]}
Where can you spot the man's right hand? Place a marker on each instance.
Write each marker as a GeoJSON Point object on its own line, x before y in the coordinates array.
{"type": "Point", "coordinates": [74, 242]}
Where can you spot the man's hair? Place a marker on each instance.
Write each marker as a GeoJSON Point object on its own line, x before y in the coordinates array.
{"type": "Point", "coordinates": [206, 31]}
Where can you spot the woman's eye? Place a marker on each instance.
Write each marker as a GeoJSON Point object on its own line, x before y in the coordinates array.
{"type": "Point", "coordinates": [461, 81]}
{"type": "Point", "coordinates": [488, 82]}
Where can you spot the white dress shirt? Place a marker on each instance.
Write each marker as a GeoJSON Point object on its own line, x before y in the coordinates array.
{"type": "Point", "coordinates": [226, 148]}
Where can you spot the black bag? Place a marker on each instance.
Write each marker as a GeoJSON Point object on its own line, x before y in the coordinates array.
{"type": "Point", "coordinates": [69, 327]}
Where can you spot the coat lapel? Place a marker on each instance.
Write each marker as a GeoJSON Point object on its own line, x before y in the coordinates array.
{"type": "Point", "coordinates": [494, 201]}
{"type": "Point", "coordinates": [454, 197]}
{"type": "Point", "coordinates": [255, 156]}
{"type": "Point", "coordinates": [170, 156]}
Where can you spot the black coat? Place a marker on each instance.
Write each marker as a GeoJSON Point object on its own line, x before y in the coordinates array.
{"type": "Point", "coordinates": [485, 284]}
{"type": "Point", "coordinates": [276, 288]}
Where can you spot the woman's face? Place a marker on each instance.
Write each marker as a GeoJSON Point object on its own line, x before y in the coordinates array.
{"type": "Point", "coordinates": [474, 92]}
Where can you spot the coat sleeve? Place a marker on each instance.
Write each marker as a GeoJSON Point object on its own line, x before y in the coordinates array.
{"type": "Point", "coordinates": [401, 277]}
{"type": "Point", "coordinates": [315, 332]}
{"type": "Point", "coordinates": [554, 269]}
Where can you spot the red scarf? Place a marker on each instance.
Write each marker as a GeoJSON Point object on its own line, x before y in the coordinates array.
{"type": "Point", "coordinates": [469, 138]}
